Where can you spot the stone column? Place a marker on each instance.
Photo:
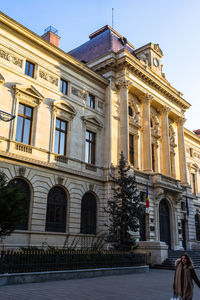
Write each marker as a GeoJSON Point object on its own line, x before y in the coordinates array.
{"type": "Point", "coordinates": [136, 152]}
{"type": "Point", "coordinates": [181, 151]}
{"type": "Point", "coordinates": [146, 132]}
{"type": "Point", "coordinates": [124, 119]}
{"type": "Point", "coordinates": [165, 141]}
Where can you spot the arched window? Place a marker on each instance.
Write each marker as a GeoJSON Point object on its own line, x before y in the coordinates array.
{"type": "Point", "coordinates": [56, 210]}
{"type": "Point", "coordinates": [24, 189]}
{"type": "Point", "coordinates": [197, 225]}
{"type": "Point", "coordinates": [88, 214]}
{"type": "Point", "coordinates": [130, 111]}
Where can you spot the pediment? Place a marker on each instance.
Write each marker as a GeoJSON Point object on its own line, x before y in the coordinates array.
{"type": "Point", "coordinates": [64, 106]}
{"type": "Point", "coordinates": [28, 90]}
{"type": "Point", "coordinates": [92, 120]}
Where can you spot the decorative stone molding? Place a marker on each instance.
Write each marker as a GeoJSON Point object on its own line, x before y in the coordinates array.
{"type": "Point", "coordinates": [100, 104]}
{"type": "Point", "coordinates": [22, 171]}
{"type": "Point", "coordinates": [146, 98]}
{"type": "Point", "coordinates": [180, 121]}
{"type": "Point", "coordinates": [60, 180]}
{"type": "Point", "coordinates": [11, 58]}
{"type": "Point", "coordinates": [28, 94]}
{"type": "Point", "coordinates": [178, 197]}
{"type": "Point", "coordinates": [159, 192]}
{"type": "Point", "coordinates": [48, 77]}
{"type": "Point", "coordinates": [164, 109]}
{"type": "Point", "coordinates": [79, 93]}
{"type": "Point", "coordinates": [63, 108]}
{"type": "Point", "coordinates": [92, 120]}
{"type": "Point", "coordinates": [172, 134]}
{"type": "Point", "coordinates": [123, 83]}
{"type": "Point", "coordinates": [158, 50]}
{"type": "Point", "coordinates": [91, 187]}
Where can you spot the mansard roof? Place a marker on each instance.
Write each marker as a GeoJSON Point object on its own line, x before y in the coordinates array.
{"type": "Point", "coordinates": [101, 41]}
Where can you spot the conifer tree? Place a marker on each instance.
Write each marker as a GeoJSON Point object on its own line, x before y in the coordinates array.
{"type": "Point", "coordinates": [11, 207]}
{"type": "Point", "coordinates": [124, 209]}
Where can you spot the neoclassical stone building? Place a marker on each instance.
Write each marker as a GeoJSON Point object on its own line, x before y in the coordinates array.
{"type": "Point", "coordinates": [75, 113]}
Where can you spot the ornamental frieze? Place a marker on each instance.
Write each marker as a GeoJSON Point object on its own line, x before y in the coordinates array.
{"type": "Point", "coordinates": [11, 58]}
{"type": "Point", "coordinates": [48, 77]}
{"type": "Point", "coordinates": [79, 93]}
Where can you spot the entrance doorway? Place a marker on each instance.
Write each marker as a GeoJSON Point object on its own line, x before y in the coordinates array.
{"type": "Point", "coordinates": [164, 223]}
{"type": "Point", "coordinates": [183, 224]}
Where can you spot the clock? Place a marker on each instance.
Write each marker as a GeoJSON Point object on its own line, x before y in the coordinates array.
{"type": "Point", "coordinates": [155, 62]}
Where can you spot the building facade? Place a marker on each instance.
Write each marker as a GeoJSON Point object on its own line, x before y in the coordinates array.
{"type": "Point", "coordinates": [75, 113]}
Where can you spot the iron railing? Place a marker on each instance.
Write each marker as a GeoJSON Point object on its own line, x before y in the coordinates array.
{"type": "Point", "coordinates": [36, 260]}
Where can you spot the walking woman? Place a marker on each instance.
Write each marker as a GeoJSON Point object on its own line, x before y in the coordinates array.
{"type": "Point", "coordinates": [184, 274]}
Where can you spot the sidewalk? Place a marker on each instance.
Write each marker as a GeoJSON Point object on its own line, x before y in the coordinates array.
{"type": "Point", "coordinates": [157, 284]}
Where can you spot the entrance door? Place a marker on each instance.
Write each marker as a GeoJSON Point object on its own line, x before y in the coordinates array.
{"type": "Point", "coordinates": [164, 223]}
{"type": "Point", "coordinates": [183, 234]}
{"type": "Point", "coordinates": [142, 221]}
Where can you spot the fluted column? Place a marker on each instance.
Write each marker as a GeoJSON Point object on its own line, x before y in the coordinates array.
{"type": "Point", "coordinates": [181, 150]}
{"type": "Point", "coordinates": [124, 119]}
{"type": "Point", "coordinates": [146, 132]}
{"type": "Point", "coordinates": [165, 141]}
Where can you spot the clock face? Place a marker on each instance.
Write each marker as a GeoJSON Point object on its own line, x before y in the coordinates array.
{"type": "Point", "coordinates": [155, 62]}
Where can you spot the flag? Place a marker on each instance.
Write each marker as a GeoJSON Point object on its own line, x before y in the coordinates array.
{"type": "Point", "coordinates": [187, 206]}
{"type": "Point", "coordinates": [147, 197]}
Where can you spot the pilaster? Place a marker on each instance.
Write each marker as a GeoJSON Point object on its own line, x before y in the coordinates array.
{"type": "Point", "coordinates": [181, 150]}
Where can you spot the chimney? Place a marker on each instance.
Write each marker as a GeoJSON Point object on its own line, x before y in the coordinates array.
{"type": "Point", "coordinates": [51, 36]}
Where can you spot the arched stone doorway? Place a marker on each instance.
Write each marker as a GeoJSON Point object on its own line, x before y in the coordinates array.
{"type": "Point", "coordinates": [164, 223]}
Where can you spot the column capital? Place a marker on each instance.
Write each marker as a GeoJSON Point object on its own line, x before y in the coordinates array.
{"type": "Point", "coordinates": [164, 109]}
{"type": "Point", "coordinates": [123, 83]}
{"type": "Point", "coordinates": [180, 121]}
{"type": "Point", "coordinates": [146, 98]}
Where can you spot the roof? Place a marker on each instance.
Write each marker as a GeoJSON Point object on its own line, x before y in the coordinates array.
{"type": "Point", "coordinates": [101, 41]}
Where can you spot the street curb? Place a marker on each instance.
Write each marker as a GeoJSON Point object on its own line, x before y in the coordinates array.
{"type": "Point", "coordinates": [20, 278]}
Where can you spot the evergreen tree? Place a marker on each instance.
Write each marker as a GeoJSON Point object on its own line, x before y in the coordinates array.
{"type": "Point", "coordinates": [124, 209]}
{"type": "Point", "coordinates": [11, 207]}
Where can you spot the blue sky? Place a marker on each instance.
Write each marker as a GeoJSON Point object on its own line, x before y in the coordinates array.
{"type": "Point", "coordinates": [173, 24]}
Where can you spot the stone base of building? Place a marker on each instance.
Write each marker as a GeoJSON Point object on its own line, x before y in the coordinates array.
{"type": "Point", "coordinates": [156, 251]}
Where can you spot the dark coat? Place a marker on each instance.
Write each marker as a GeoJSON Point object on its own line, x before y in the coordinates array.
{"type": "Point", "coordinates": [183, 285]}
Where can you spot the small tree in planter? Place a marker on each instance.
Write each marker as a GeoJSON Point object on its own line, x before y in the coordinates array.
{"type": "Point", "coordinates": [11, 207]}
{"type": "Point", "coordinates": [124, 209]}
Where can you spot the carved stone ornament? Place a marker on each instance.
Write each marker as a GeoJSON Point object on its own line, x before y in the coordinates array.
{"type": "Point", "coordinates": [158, 50]}
{"type": "Point", "coordinates": [123, 83]}
{"type": "Point", "coordinates": [63, 107]}
{"type": "Point", "coordinates": [11, 58]}
{"type": "Point", "coordinates": [22, 171]}
{"type": "Point", "coordinates": [91, 187]}
{"type": "Point", "coordinates": [164, 109]}
{"type": "Point", "coordinates": [180, 121]}
{"type": "Point", "coordinates": [2, 79]}
{"type": "Point", "coordinates": [29, 92]}
{"type": "Point", "coordinates": [146, 98]}
{"type": "Point", "coordinates": [158, 193]}
{"type": "Point", "coordinates": [48, 77]}
{"type": "Point", "coordinates": [60, 180]}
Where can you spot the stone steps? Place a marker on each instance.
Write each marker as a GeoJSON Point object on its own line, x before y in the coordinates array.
{"type": "Point", "coordinates": [169, 263]}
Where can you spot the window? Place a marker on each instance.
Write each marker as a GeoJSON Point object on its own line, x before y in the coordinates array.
{"type": "Point", "coordinates": [91, 101]}
{"type": "Point", "coordinates": [153, 157]}
{"type": "Point", "coordinates": [60, 137]}
{"type": "Point", "coordinates": [29, 69]}
{"type": "Point", "coordinates": [88, 214]}
{"type": "Point", "coordinates": [197, 225]}
{"type": "Point", "coordinates": [63, 86]}
{"type": "Point", "coordinates": [131, 149]}
{"type": "Point", "coordinates": [56, 210]}
{"type": "Point", "coordinates": [90, 147]}
{"type": "Point", "coordinates": [193, 183]}
{"type": "Point", "coordinates": [130, 111]}
{"type": "Point", "coordinates": [24, 124]}
{"type": "Point", "coordinates": [24, 189]}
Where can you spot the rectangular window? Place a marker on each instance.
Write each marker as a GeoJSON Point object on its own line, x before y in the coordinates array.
{"type": "Point", "coordinates": [90, 147]}
{"type": "Point", "coordinates": [63, 86]}
{"type": "Point", "coordinates": [91, 101]}
{"type": "Point", "coordinates": [153, 157]}
{"type": "Point", "coordinates": [24, 124]}
{"type": "Point", "coordinates": [29, 69]}
{"type": "Point", "coordinates": [131, 149]}
{"type": "Point", "coordinates": [193, 183]}
{"type": "Point", "coordinates": [60, 137]}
